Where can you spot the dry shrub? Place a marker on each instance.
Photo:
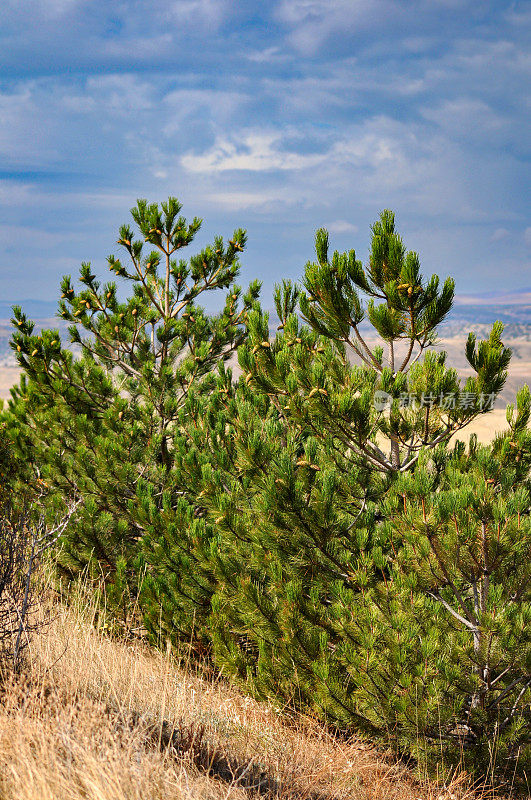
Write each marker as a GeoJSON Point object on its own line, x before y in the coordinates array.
{"type": "Point", "coordinates": [16, 589]}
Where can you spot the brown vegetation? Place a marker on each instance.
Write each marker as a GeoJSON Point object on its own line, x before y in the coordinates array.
{"type": "Point", "coordinates": [101, 719]}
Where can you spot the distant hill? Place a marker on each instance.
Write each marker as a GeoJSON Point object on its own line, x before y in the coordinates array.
{"type": "Point", "coordinates": [474, 312]}
{"type": "Point", "coordinates": [470, 313]}
{"type": "Point", "coordinates": [516, 320]}
{"type": "Point", "coordinates": [519, 297]}
{"type": "Point", "coordinates": [482, 309]}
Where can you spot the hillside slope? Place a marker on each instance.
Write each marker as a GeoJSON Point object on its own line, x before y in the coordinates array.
{"type": "Point", "coordinates": [105, 720]}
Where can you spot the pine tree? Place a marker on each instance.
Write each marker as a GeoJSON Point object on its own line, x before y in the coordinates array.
{"type": "Point", "coordinates": [99, 424]}
{"type": "Point", "coordinates": [184, 539]}
{"type": "Point", "coordinates": [460, 574]}
{"type": "Point", "coordinates": [307, 524]}
{"type": "Point", "coordinates": [392, 406]}
{"type": "Point", "coordinates": [302, 606]}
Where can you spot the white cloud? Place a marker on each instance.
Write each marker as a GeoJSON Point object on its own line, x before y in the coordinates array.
{"type": "Point", "coordinates": [198, 12]}
{"type": "Point", "coordinates": [296, 11]}
{"type": "Point", "coordinates": [341, 226]}
{"type": "Point", "coordinates": [25, 131]}
{"type": "Point", "coordinates": [379, 162]}
{"type": "Point", "coordinates": [270, 55]}
{"type": "Point", "coordinates": [329, 12]}
{"type": "Point", "coordinates": [120, 94]}
{"type": "Point", "coordinates": [46, 123]}
{"type": "Point", "coordinates": [144, 46]}
{"type": "Point", "coordinates": [520, 17]}
{"type": "Point", "coordinates": [501, 59]}
{"type": "Point", "coordinates": [499, 234]}
{"type": "Point", "coordinates": [55, 8]}
{"type": "Point", "coordinates": [265, 200]}
{"type": "Point", "coordinates": [313, 21]}
{"type": "Point", "coordinates": [253, 152]}
{"type": "Point", "coordinates": [47, 9]}
{"type": "Point", "coordinates": [214, 106]}
{"type": "Point", "coordinates": [417, 44]}
{"type": "Point", "coordinates": [382, 158]}
{"type": "Point", "coordinates": [374, 148]}
{"type": "Point", "coordinates": [466, 116]}
{"type": "Point", "coordinates": [58, 7]}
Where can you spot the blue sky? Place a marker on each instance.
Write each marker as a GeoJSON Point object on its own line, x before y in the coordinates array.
{"type": "Point", "coordinates": [279, 117]}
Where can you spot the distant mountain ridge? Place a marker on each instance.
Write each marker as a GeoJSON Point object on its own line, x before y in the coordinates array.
{"type": "Point", "coordinates": [488, 313]}
{"type": "Point", "coordinates": [513, 308]}
{"type": "Point", "coordinates": [513, 297]}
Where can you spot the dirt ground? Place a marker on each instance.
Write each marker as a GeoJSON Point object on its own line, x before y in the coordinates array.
{"type": "Point", "coordinates": [485, 427]}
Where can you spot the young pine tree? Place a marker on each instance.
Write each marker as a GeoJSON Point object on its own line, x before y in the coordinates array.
{"type": "Point", "coordinates": [301, 615]}
{"type": "Point", "coordinates": [463, 537]}
{"type": "Point", "coordinates": [99, 423]}
{"type": "Point", "coordinates": [385, 394]}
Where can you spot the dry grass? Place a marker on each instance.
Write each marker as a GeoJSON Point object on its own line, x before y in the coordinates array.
{"type": "Point", "coordinates": [104, 720]}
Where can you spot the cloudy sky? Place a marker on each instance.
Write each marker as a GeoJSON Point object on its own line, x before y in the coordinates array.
{"type": "Point", "coordinates": [279, 117]}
